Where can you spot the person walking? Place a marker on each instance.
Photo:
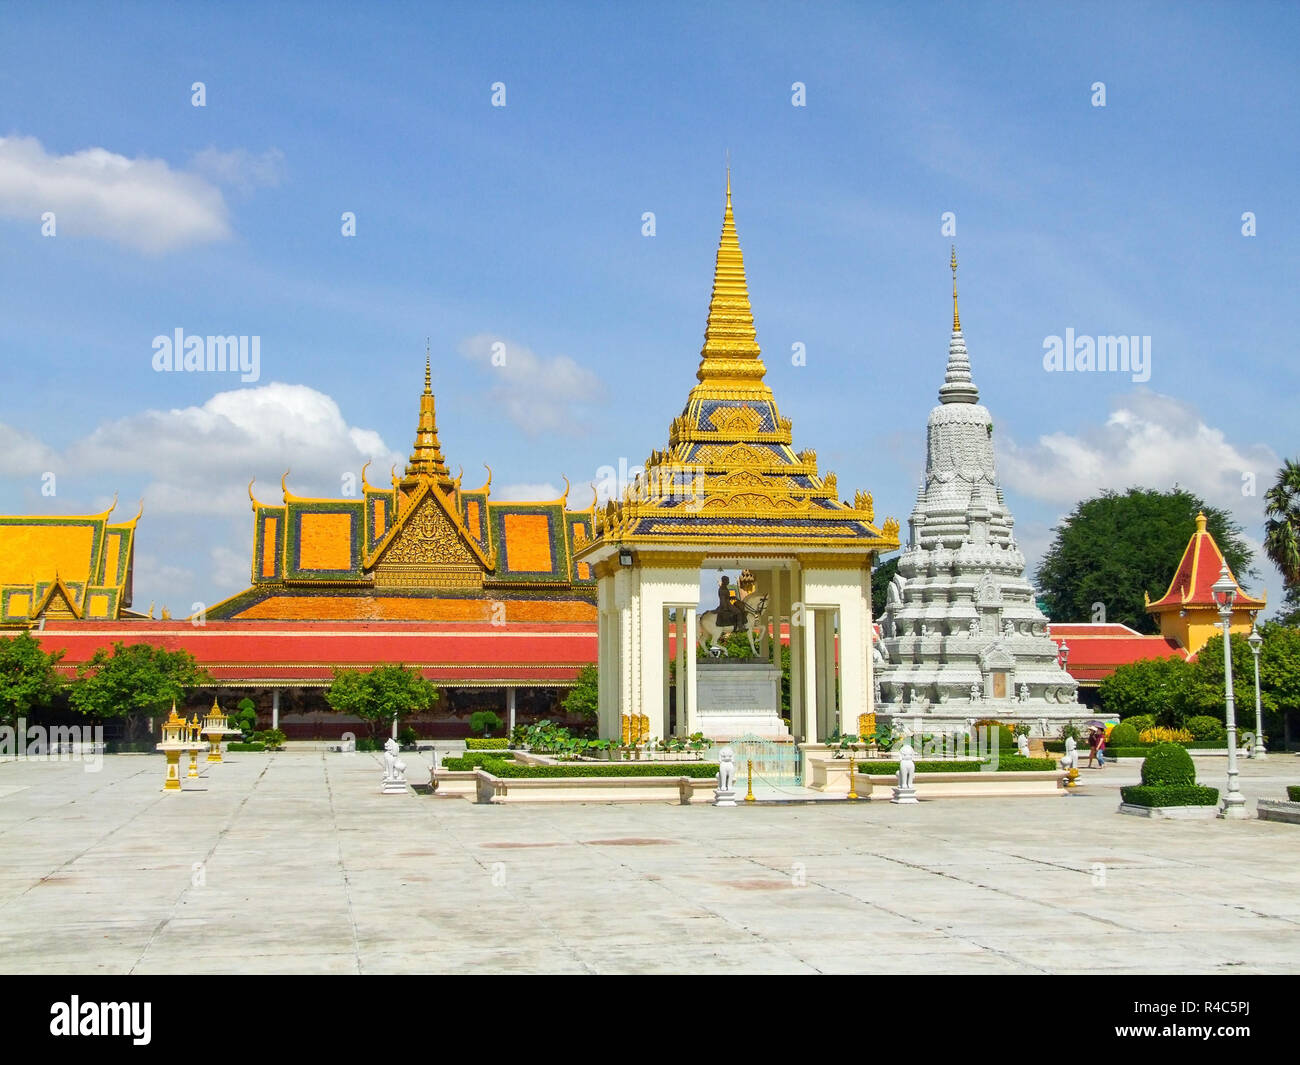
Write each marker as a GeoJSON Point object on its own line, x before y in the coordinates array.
{"type": "Point", "coordinates": [1092, 746]}
{"type": "Point", "coordinates": [1101, 748]}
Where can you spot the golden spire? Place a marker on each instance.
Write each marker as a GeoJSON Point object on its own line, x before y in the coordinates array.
{"type": "Point", "coordinates": [730, 354]}
{"type": "Point", "coordinates": [956, 318]}
{"type": "Point", "coordinates": [426, 457]}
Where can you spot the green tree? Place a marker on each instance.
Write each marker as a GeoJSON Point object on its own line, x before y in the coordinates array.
{"type": "Point", "coordinates": [1114, 547]}
{"type": "Point", "coordinates": [583, 699]}
{"type": "Point", "coordinates": [1279, 674]}
{"type": "Point", "coordinates": [881, 577]}
{"type": "Point", "coordinates": [1282, 529]}
{"type": "Point", "coordinates": [381, 695]}
{"type": "Point", "coordinates": [133, 680]}
{"type": "Point", "coordinates": [1205, 692]}
{"type": "Point", "coordinates": [28, 678]}
{"type": "Point", "coordinates": [1155, 686]}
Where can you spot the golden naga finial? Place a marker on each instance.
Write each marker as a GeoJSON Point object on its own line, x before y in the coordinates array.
{"type": "Point", "coordinates": [956, 318]}
{"type": "Point", "coordinates": [284, 488]}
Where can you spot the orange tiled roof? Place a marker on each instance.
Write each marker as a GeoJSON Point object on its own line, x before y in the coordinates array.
{"type": "Point", "coordinates": [1199, 569]}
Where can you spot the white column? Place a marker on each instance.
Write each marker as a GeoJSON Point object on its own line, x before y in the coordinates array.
{"type": "Point", "coordinates": [854, 680]}
{"type": "Point", "coordinates": [825, 671]}
{"type": "Point", "coordinates": [667, 657]}
{"type": "Point", "coordinates": [510, 711]}
{"type": "Point", "coordinates": [680, 632]}
{"type": "Point", "coordinates": [808, 644]}
{"type": "Point", "coordinates": [652, 665]}
{"type": "Point", "coordinates": [869, 666]}
{"type": "Point", "coordinates": [275, 707]}
{"type": "Point", "coordinates": [686, 684]}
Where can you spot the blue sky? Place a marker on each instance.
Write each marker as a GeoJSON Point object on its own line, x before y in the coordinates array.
{"type": "Point", "coordinates": [523, 224]}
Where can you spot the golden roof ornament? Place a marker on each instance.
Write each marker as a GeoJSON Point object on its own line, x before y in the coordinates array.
{"type": "Point", "coordinates": [730, 354]}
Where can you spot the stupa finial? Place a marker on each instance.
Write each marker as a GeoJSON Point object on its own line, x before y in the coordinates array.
{"type": "Point", "coordinates": [956, 318]}
{"type": "Point", "coordinates": [958, 386]}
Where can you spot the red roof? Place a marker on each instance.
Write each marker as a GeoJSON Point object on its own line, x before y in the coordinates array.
{"type": "Point", "coordinates": [305, 653]}
{"type": "Point", "coordinates": [1201, 564]}
{"type": "Point", "coordinates": [1097, 650]}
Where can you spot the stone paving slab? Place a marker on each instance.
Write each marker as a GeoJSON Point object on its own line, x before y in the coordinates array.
{"type": "Point", "coordinates": [293, 862]}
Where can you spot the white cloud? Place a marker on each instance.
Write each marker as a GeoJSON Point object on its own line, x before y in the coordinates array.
{"type": "Point", "coordinates": [1151, 440]}
{"type": "Point", "coordinates": [201, 458]}
{"type": "Point", "coordinates": [21, 454]}
{"type": "Point", "coordinates": [240, 168]}
{"type": "Point", "coordinates": [142, 203]}
{"type": "Point", "coordinates": [539, 395]}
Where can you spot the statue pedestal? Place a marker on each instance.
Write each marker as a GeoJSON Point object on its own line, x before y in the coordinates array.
{"type": "Point", "coordinates": [739, 699]}
{"type": "Point", "coordinates": [724, 798]}
{"type": "Point", "coordinates": [904, 796]}
{"type": "Point", "coordinates": [395, 787]}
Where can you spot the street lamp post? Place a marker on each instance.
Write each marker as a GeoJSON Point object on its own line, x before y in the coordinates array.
{"type": "Point", "coordinates": [1258, 750]}
{"type": "Point", "coordinates": [1225, 591]}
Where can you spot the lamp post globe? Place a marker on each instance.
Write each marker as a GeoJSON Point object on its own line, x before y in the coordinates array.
{"type": "Point", "coordinates": [1225, 591]}
{"type": "Point", "coordinates": [1258, 749]}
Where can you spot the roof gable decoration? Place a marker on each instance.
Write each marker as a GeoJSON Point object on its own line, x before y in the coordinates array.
{"type": "Point", "coordinates": [428, 545]}
{"type": "Point", "coordinates": [57, 602]}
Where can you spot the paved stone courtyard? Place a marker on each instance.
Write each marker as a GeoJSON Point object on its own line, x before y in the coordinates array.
{"type": "Point", "coordinates": [293, 862]}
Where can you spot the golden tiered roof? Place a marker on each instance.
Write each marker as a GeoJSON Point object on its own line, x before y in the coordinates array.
{"type": "Point", "coordinates": [76, 565]}
{"type": "Point", "coordinates": [729, 476]}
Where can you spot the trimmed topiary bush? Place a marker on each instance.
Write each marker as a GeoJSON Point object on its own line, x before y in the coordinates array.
{"type": "Point", "coordinates": [1006, 738]}
{"type": "Point", "coordinates": [1168, 765]}
{"type": "Point", "coordinates": [483, 743]}
{"type": "Point", "coordinates": [1140, 722]}
{"type": "Point", "coordinates": [1293, 792]}
{"type": "Point", "coordinates": [1122, 735]}
{"type": "Point", "coordinates": [1204, 727]}
{"type": "Point", "coordinates": [1181, 795]}
{"type": "Point", "coordinates": [238, 746]}
{"type": "Point", "coordinates": [484, 722]}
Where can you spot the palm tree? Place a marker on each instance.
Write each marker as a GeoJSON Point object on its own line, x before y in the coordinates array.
{"type": "Point", "coordinates": [1282, 529]}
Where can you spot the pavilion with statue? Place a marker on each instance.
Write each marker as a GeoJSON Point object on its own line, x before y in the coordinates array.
{"type": "Point", "coordinates": [730, 493]}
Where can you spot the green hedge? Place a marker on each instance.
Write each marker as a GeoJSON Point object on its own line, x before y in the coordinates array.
{"type": "Point", "coordinates": [237, 746]}
{"type": "Point", "coordinates": [1184, 795]}
{"type": "Point", "coordinates": [485, 743]}
{"type": "Point", "coordinates": [1123, 735]}
{"type": "Point", "coordinates": [696, 770]}
{"type": "Point", "coordinates": [1293, 792]}
{"type": "Point", "coordinates": [1006, 764]}
{"type": "Point", "coordinates": [474, 759]}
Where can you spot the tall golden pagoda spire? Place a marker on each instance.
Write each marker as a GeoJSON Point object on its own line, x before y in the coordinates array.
{"type": "Point", "coordinates": [730, 355]}
{"type": "Point", "coordinates": [426, 457]}
{"type": "Point", "coordinates": [956, 317]}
